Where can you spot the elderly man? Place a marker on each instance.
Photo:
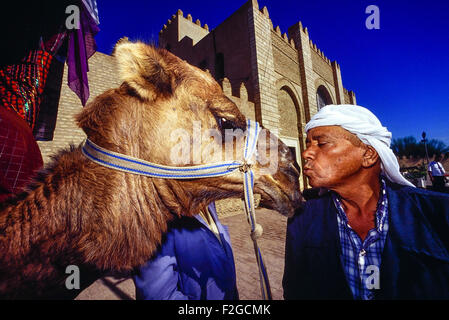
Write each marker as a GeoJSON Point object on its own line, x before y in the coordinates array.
{"type": "Point", "coordinates": [369, 234]}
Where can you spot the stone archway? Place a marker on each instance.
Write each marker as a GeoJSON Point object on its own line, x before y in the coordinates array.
{"type": "Point", "coordinates": [288, 95]}
{"type": "Point", "coordinates": [323, 97]}
{"type": "Point", "coordinates": [288, 112]}
{"type": "Point", "coordinates": [291, 112]}
{"type": "Point", "coordinates": [324, 94]}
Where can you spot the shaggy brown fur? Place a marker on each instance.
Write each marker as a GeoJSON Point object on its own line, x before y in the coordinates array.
{"type": "Point", "coordinates": [102, 220]}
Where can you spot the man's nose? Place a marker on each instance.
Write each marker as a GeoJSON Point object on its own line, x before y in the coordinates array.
{"type": "Point", "coordinates": [308, 153]}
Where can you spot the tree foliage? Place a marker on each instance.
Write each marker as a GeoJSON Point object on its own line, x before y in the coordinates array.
{"type": "Point", "coordinates": [411, 148]}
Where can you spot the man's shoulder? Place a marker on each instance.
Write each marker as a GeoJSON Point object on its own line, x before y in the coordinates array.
{"type": "Point", "coordinates": [419, 194]}
{"type": "Point", "coordinates": [316, 205]}
{"type": "Point", "coordinates": [315, 223]}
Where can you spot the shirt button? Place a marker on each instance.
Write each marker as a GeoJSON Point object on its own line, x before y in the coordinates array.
{"type": "Point", "coordinates": [362, 252]}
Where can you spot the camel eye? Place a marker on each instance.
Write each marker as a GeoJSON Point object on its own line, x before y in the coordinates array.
{"type": "Point", "coordinates": [224, 123]}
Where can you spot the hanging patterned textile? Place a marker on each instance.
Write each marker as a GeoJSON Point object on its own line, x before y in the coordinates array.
{"type": "Point", "coordinates": [21, 85]}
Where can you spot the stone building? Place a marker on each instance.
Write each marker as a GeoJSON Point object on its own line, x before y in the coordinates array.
{"type": "Point", "coordinates": [279, 79]}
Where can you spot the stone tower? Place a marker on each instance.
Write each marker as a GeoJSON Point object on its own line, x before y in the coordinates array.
{"type": "Point", "coordinates": [279, 79]}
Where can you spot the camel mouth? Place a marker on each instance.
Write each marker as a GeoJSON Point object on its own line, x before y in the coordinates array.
{"type": "Point", "coordinates": [280, 200]}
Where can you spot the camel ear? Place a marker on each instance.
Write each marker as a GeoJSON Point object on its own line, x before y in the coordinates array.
{"type": "Point", "coordinates": [144, 68]}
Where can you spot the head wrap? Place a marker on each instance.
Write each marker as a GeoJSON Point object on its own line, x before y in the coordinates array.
{"type": "Point", "coordinates": [365, 125]}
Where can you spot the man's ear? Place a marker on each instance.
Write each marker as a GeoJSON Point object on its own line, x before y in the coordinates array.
{"type": "Point", "coordinates": [144, 68]}
{"type": "Point", "coordinates": [370, 157]}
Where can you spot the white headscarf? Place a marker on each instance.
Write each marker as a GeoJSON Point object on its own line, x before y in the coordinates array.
{"type": "Point", "coordinates": [365, 125]}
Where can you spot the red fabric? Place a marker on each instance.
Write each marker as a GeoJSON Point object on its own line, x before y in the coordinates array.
{"type": "Point", "coordinates": [21, 85]}
{"type": "Point", "coordinates": [20, 156]}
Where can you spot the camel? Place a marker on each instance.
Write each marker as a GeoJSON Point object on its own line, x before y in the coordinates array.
{"type": "Point", "coordinates": [77, 212]}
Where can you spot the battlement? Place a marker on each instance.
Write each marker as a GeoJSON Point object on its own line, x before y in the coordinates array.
{"type": "Point", "coordinates": [184, 26]}
{"type": "Point", "coordinates": [278, 31]}
{"type": "Point", "coordinates": [227, 89]}
{"type": "Point", "coordinates": [348, 92]}
{"type": "Point", "coordinates": [180, 14]}
{"type": "Point", "coordinates": [284, 36]}
{"type": "Point", "coordinates": [349, 97]}
{"type": "Point", "coordinates": [188, 37]}
{"type": "Point", "coordinates": [320, 53]}
{"type": "Point", "coordinates": [240, 98]}
{"type": "Point", "coordinates": [303, 29]}
{"type": "Point", "coordinates": [196, 31]}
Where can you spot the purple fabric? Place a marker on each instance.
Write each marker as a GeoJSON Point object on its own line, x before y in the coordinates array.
{"type": "Point", "coordinates": [81, 47]}
{"type": "Point", "coordinates": [190, 264]}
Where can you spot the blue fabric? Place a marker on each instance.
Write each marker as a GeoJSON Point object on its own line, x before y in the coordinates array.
{"type": "Point", "coordinates": [415, 259]}
{"type": "Point", "coordinates": [361, 260]}
{"type": "Point", "coordinates": [191, 264]}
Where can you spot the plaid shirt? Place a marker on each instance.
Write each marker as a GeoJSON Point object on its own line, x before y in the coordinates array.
{"type": "Point", "coordinates": [361, 260]}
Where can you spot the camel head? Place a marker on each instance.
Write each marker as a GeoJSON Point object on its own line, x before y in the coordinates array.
{"type": "Point", "coordinates": [171, 113]}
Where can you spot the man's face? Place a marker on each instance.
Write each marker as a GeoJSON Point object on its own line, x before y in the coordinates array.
{"type": "Point", "coordinates": [333, 157]}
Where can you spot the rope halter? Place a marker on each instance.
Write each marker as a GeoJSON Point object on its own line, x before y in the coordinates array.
{"type": "Point", "coordinates": [118, 161]}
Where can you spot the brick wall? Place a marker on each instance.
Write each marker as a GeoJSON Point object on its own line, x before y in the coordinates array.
{"type": "Point", "coordinates": [288, 113]}
{"type": "Point", "coordinates": [102, 76]}
{"type": "Point", "coordinates": [347, 98]}
{"type": "Point", "coordinates": [322, 68]}
{"type": "Point", "coordinates": [263, 67]}
{"type": "Point", "coordinates": [300, 36]}
{"type": "Point", "coordinates": [285, 59]}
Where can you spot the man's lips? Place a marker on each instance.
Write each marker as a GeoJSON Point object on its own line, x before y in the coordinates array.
{"type": "Point", "coordinates": [307, 171]}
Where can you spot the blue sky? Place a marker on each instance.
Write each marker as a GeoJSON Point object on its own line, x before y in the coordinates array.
{"type": "Point", "coordinates": [400, 72]}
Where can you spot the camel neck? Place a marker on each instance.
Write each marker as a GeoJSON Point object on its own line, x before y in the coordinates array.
{"type": "Point", "coordinates": [38, 228]}
{"type": "Point", "coordinates": [70, 217]}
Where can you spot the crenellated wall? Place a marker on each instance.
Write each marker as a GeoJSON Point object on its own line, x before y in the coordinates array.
{"type": "Point", "coordinates": [349, 97]}
{"type": "Point", "coordinates": [321, 64]}
{"type": "Point", "coordinates": [263, 71]}
{"type": "Point", "coordinates": [285, 55]}
{"type": "Point", "coordinates": [242, 102]}
{"type": "Point", "coordinates": [178, 27]}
